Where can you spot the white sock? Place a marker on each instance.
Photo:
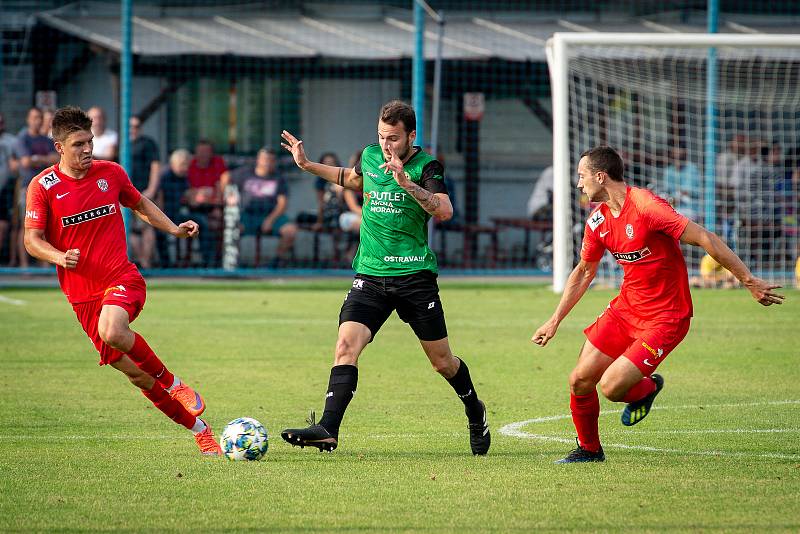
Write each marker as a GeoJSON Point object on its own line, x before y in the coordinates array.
{"type": "Point", "coordinates": [199, 426]}
{"type": "Point", "coordinates": [175, 382]}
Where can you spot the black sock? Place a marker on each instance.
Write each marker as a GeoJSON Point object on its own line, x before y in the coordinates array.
{"type": "Point", "coordinates": [462, 384]}
{"type": "Point", "coordinates": [341, 388]}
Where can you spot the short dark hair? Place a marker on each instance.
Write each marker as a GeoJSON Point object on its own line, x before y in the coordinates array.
{"type": "Point", "coordinates": [398, 111]}
{"type": "Point", "coordinates": [605, 159]}
{"type": "Point", "coordinates": [68, 120]}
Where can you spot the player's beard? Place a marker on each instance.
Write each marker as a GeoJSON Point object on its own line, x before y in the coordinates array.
{"type": "Point", "coordinates": [402, 155]}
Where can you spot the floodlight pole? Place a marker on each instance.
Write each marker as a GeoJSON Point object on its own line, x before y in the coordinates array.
{"type": "Point", "coordinates": [418, 72]}
{"type": "Point", "coordinates": [437, 86]}
{"type": "Point", "coordinates": [711, 122]}
{"type": "Point", "coordinates": [125, 75]}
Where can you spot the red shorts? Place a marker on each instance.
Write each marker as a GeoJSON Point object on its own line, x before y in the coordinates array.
{"type": "Point", "coordinates": [128, 294]}
{"type": "Point", "coordinates": [644, 343]}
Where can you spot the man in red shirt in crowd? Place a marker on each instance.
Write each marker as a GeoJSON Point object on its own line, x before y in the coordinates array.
{"type": "Point", "coordinates": [651, 314]}
{"type": "Point", "coordinates": [205, 199]}
{"type": "Point", "coordinates": [73, 220]}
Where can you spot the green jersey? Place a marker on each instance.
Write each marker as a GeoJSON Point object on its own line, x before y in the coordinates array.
{"type": "Point", "coordinates": [394, 227]}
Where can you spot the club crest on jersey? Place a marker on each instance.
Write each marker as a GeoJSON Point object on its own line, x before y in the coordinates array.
{"type": "Point", "coordinates": [629, 231]}
{"type": "Point", "coordinates": [49, 180]}
{"type": "Point", "coordinates": [102, 184]}
{"type": "Point", "coordinates": [595, 220]}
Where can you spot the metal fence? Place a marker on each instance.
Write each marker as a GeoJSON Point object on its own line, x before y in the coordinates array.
{"type": "Point", "coordinates": [222, 79]}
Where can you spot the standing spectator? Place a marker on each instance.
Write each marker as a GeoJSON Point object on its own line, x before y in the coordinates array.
{"type": "Point", "coordinates": [789, 194]}
{"type": "Point", "coordinates": [106, 140]}
{"type": "Point", "coordinates": [681, 181]}
{"type": "Point", "coordinates": [540, 203]}
{"type": "Point", "coordinates": [727, 163]}
{"type": "Point", "coordinates": [172, 188]}
{"type": "Point", "coordinates": [9, 166]}
{"type": "Point", "coordinates": [145, 170]}
{"type": "Point", "coordinates": [205, 199]}
{"type": "Point", "coordinates": [759, 204]}
{"type": "Point", "coordinates": [37, 152]}
{"type": "Point", "coordinates": [264, 197]}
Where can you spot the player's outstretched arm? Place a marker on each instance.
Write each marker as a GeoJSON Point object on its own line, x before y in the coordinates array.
{"type": "Point", "coordinates": [578, 282]}
{"type": "Point", "coordinates": [347, 178]}
{"type": "Point", "coordinates": [38, 247]}
{"type": "Point", "coordinates": [694, 234]}
{"type": "Point", "coordinates": [147, 211]}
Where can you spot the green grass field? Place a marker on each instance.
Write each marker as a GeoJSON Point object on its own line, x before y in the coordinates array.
{"type": "Point", "coordinates": [80, 449]}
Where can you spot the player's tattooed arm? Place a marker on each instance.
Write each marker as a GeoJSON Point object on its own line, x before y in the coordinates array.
{"type": "Point", "coordinates": [430, 202]}
{"type": "Point", "coordinates": [437, 204]}
{"type": "Point", "coordinates": [347, 178]}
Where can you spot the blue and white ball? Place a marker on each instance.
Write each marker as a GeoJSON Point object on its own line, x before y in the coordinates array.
{"type": "Point", "coordinates": [244, 439]}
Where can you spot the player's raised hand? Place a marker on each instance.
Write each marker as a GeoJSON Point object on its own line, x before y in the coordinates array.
{"type": "Point", "coordinates": [187, 229]}
{"type": "Point", "coordinates": [545, 333]}
{"type": "Point", "coordinates": [395, 166]}
{"type": "Point", "coordinates": [763, 293]}
{"type": "Point", "coordinates": [295, 146]}
{"type": "Point", "coordinates": [70, 258]}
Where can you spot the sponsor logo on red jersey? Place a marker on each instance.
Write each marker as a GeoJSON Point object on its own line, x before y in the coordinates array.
{"type": "Point", "coordinates": [631, 257]}
{"type": "Point", "coordinates": [88, 215]}
{"type": "Point", "coordinates": [49, 180]}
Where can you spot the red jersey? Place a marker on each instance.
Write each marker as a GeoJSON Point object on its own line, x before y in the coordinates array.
{"type": "Point", "coordinates": [206, 176]}
{"type": "Point", "coordinates": [644, 240]}
{"type": "Point", "coordinates": [85, 214]}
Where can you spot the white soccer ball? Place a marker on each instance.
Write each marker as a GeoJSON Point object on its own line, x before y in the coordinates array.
{"type": "Point", "coordinates": [244, 439]}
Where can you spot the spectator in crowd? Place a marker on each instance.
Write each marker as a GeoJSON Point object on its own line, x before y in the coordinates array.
{"type": "Point", "coordinates": [350, 219]}
{"type": "Point", "coordinates": [540, 203]}
{"type": "Point", "coordinates": [748, 164]}
{"type": "Point", "coordinates": [713, 275]}
{"type": "Point", "coordinates": [106, 140]}
{"type": "Point", "coordinates": [37, 152]}
{"type": "Point", "coordinates": [172, 187]}
{"type": "Point", "coordinates": [727, 163]}
{"type": "Point", "coordinates": [145, 171]}
{"type": "Point", "coordinates": [789, 195]}
{"type": "Point", "coordinates": [47, 122]}
{"type": "Point", "coordinates": [9, 166]}
{"type": "Point", "coordinates": [759, 203]}
{"type": "Point", "coordinates": [682, 183]}
{"type": "Point", "coordinates": [264, 197]}
{"type": "Point", "coordinates": [330, 197]}
{"type": "Point", "coordinates": [204, 199]}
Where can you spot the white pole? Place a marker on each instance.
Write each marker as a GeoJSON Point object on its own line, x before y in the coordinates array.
{"type": "Point", "coordinates": [562, 216]}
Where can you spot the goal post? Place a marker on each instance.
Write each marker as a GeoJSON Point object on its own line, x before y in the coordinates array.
{"type": "Point", "coordinates": [650, 96]}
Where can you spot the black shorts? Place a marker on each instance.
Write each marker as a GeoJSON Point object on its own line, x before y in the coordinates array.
{"type": "Point", "coordinates": [372, 299]}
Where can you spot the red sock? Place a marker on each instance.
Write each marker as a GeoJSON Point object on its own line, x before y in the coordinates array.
{"type": "Point", "coordinates": [171, 408]}
{"type": "Point", "coordinates": [146, 360]}
{"type": "Point", "coordinates": [585, 413]}
{"type": "Point", "coordinates": [640, 390]}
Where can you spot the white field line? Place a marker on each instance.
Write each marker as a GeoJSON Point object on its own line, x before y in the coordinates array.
{"type": "Point", "coordinates": [13, 302]}
{"type": "Point", "coordinates": [515, 430]}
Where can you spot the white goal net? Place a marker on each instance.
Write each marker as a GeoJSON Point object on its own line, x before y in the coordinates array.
{"type": "Point", "coordinates": [714, 131]}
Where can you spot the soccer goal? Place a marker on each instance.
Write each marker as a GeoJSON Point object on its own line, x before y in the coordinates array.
{"type": "Point", "coordinates": [709, 121]}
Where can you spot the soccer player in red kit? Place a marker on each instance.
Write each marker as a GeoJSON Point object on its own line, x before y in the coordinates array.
{"type": "Point", "coordinates": [651, 314]}
{"type": "Point", "coordinates": [73, 220]}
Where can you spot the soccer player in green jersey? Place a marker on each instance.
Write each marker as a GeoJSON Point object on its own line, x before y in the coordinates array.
{"type": "Point", "coordinates": [395, 269]}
